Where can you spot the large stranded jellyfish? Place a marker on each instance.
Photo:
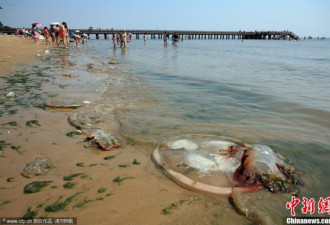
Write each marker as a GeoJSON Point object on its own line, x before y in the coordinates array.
{"type": "Point", "coordinates": [218, 165]}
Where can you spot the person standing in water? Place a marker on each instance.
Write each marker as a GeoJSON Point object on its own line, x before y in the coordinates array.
{"type": "Point", "coordinates": [57, 34]}
{"type": "Point", "coordinates": [114, 40]}
{"type": "Point", "coordinates": [165, 37]}
{"type": "Point", "coordinates": [67, 38]}
{"type": "Point", "coordinates": [123, 39]}
{"type": "Point", "coordinates": [62, 34]}
{"type": "Point", "coordinates": [175, 39]}
{"type": "Point", "coordinates": [52, 34]}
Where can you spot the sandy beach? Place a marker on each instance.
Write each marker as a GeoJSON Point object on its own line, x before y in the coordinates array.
{"type": "Point", "coordinates": [17, 51]}
{"type": "Point", "coordinates": [145, 195]}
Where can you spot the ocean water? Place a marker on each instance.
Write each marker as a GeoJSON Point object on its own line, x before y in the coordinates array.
{"type": "Point", "coordinates": [257, 91]}
{"type": "Point", "coordinates": [274, 93]}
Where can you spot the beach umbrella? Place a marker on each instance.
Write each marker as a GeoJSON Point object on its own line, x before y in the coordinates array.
{"type": "Point", "coordinates": [54, 23]}
{"type": "Point", "coordinates": [36, 25]}
{"type": "Point", "coordinates": [77, 31]}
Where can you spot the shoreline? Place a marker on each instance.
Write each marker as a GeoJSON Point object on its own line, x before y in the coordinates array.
{"type": "Point", "coordinates": [145, 197]}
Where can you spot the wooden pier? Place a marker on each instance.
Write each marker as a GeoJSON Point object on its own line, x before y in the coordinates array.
{"type": "Point", "coordinates": [187, 34]}
{"type": "Point", "coordinates": [184, 34]}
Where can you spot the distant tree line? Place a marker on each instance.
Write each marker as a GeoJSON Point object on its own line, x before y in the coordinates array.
{"type": "Point", "coordinates": [4, 27]}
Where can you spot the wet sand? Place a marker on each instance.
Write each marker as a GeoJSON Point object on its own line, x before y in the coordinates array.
{"type": "Point", "coordinates": [147, 196]}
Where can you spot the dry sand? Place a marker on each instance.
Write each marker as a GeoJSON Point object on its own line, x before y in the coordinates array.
{"type": "Point", "coordinates": [147, 197]}
{"type": "Point", "coordinates": [16, 52]}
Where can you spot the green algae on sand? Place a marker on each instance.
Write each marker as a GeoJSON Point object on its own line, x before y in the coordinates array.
{"type": "Point", "coordinates": [136, 162]}
{"type": "Point", "coordinates": [72, 133]}
{"type": "Point", "coordinates": [109, 157]}
{"type": "Point", "coordinates": [29, 214]}
{"type": "Point", "coordinates": [70, 177]}
{"type": "Point", "coordinates": [11, 123]}
{"type": "Point", "coordinates": [32, 123]}
{"type": "Point", "coordinates": [119, 179]}
{"type": "Point", "coordinates": [168, 210]}
{"type": "Point", "coordinates": [4, 203]}
{"type": "Point", "coordinates": [101, 190]}
{"type": "Point", "coordinates": [16, 148]}
{"type": "Point", "coordinates": [80, 164]}
{"type": "Point", "coordinates": [83, 203]}
{"type": "Point", "coordinates": [35, 186]}
{"type": "Point", "coordinates": [69, 185]}
{"type": "Point", "coordinates": [123, 165]}
{"type": "Point", "coordinates": [3, 144]}
{"type": "Point", "coordinates": [58, 206]}
{"type": "Point", "coordinates": [10, 179]}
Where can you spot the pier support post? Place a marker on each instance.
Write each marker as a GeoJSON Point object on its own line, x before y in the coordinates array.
{"type": "Point", "coordinates": [97, 36]}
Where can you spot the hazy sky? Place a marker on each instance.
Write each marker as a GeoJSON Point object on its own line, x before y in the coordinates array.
{"type": "Point", "coordinates": [303, 17]}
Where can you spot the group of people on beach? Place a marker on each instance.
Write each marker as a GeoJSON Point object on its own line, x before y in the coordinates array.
{"type": "Point", "coordinates": [57, 34]}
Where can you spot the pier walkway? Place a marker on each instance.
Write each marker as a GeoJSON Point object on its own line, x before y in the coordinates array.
{"type": "Point", "coordinates": [186, 34]}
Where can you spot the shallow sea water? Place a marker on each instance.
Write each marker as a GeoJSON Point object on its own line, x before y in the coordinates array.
{"type": "Point", "coordinates": [274, 93]}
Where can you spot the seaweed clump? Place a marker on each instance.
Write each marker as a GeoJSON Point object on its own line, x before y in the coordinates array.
{"type": "Point", "coordinates": [101, 190]}
{"type": "Point", "coordinates": [168, 210]}
{"type": "Point", "coordinates": [58, 206]}
{"type": "Point", "coordinates": [70, 177]}
{"type": "Point", "coordinates": [136, 162]}
{"type": "Point", "coordinates": [35, 187]}
{"type": "Point", "coordinates": [32, 123]}
{"type": "Point", "coordinates": [109, 157]}
{"type": "Point", "coordinates": [69, 185]}
{"type": "Point", "coordinates": [118, 180]}
{"type": "Point", "coordinates": [29, 214]}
